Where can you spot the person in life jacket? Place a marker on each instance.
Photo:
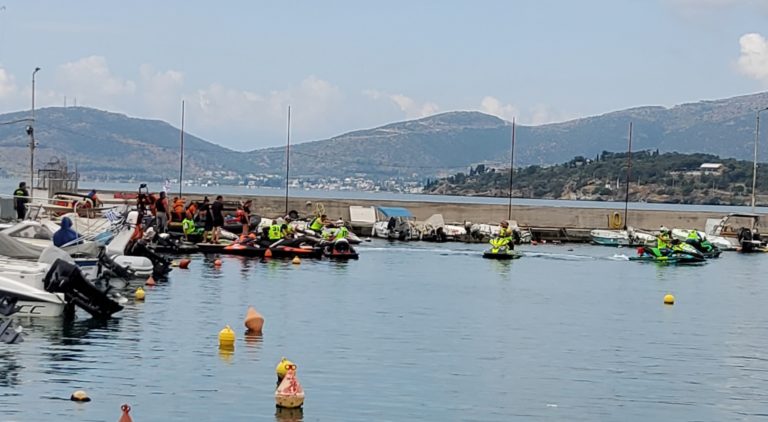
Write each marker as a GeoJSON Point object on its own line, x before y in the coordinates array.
{"type": "Point", "coordinates": [317, 224]}
{"type": "Point", "coordinates": [178, 209]}
{"type": "Point", "coordinates": [191, 212]}
{"type": "Point", "coordinates": [188, 227]}
{"type": "Point", "coordinates": [663, 243]}
{"type": "Point", "coordinates": [276, 231]}
{"type": "Point", "coordinates": [504, 239]}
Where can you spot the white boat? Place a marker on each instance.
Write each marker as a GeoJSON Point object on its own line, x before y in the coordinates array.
{"type": "Point", "coordinates": [629, 237]}
{"type": "Point", "coordinates": [24, 280]}
{"type": "Point", "coordinates": [397, 224]}
{"type": "Point", "coordinates": [741, 230]}
{"type": "Point", "coordinates": [51, 290]}
{"type": "Point", "coordinates": [721, 242]}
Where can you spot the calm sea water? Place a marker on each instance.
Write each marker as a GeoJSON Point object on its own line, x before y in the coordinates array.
{"type": "Point", "coordinates": [416, 332]}
{"type": "Point", "coordinates": [8, 185]}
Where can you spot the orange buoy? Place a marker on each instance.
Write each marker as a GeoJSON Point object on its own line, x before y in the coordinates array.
{"type": "Point", "coordinates": [217, 263]}
{"type": "Point", "coordinates": [254, 321]}
{"type": "Point", "coordinates": [125, 417]}
{"type": "Point", "coordinates": [268, 253]}
{"type": "Point", "coordinates": [184, 264]}
{"type": "Point", "coordinates": [151, 281]}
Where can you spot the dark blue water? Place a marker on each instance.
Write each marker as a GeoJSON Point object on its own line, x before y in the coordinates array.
{"type": "Point", "coordinates": [417, 332]}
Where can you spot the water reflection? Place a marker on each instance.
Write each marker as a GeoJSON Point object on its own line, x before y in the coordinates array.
{"type": "Point", "coordinates": [502, 267]}
{"type": "Point", "coordinates": [9, 367]}
{"type": "Point", "coordinates": [289, 415]}
{"type": "Point", "coordinates": [253, 340]}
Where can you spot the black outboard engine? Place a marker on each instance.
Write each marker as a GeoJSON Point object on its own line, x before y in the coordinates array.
{"type": "Point", "coordinates": [161, 265]}
{"type": "Point", "coordinates": [66, 278]}
{"type": "Point", "coordinates": [746, 240]}
{"type": "Point", "coordinates": [8, 305]}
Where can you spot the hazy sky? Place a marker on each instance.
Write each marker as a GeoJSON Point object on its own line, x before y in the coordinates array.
{"type": "Point", "coordinates": [345, 65]}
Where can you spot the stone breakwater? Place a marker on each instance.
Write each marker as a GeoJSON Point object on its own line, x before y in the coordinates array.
{"type": "Point", "coordinates": [575, 217]}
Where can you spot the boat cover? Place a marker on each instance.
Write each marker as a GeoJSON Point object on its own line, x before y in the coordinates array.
{"type": "Point", "coordinates": [14, 248]}
{"type": "Point", "coordinates": [395, 212]}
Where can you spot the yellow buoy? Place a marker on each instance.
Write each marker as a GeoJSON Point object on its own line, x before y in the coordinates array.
{"type": "Point", "coordinates": [296, 260]}
{"type": "Point", "coordinates": [139, 295]}
{"type": "Point", "coordinates": [283, 366]}
{"type": "Point", "coordinates": [80, 395]}
{"type": "Point", "coordinates": [669, 300]}
{"type": "Point", "coordinates": [226, 338]}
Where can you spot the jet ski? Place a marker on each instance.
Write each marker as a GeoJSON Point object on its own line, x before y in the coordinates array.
{"type": "Point", "coordinates": [705, 247]}
{"type": "Point", "coordinates": [501, 248]}
{"type": "Point", "coordinates": [682, 253]}
{"type": "Point", "coordinates": [339, 249]}
{"type": "Point", "coordinates": [276, 249]}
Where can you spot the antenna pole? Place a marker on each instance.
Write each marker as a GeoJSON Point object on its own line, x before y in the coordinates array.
{"type": "Point", "coordinates": [181, 160]}
{"type": "Point", "coordinates": [511, 169]}
{"type": "Point", "coordinates": [629, 173]}
{"type": "Point", "coordinates": [287, 160]}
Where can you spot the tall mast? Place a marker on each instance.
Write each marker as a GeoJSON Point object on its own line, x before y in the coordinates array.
{"type": "Point", "coordinates": [629, 173]}
{"type": "Point", "coordinates": [511, 169]}
{"type": "Point", "coordinates": [181, 159]}
{"type": "Point", "coordinates": [287, 160]}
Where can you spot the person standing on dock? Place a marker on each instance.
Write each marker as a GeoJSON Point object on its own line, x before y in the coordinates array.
{"type": "Point", "coordinates": [163, 213]}
{"type": "Point", "coordinates": [20, 200]}
{"type": "Point", "coordinates": [217, 209]}
{"type": "Point", "coordinates": [207, 216]}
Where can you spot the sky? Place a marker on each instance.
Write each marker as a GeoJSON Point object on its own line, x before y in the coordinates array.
{"type": "Point", "coordinates": [348, 65]}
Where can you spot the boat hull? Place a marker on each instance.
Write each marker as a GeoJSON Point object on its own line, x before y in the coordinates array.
{"type": "Point", "coordinates": [506, 255]}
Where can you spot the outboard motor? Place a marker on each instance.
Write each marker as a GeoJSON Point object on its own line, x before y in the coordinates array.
{"type": "Point", "coordinates": [341, 245]}
{"type": "Point", "coordinates": [8, 305]}
{"type": "Point", "coordinates": [161, 265]}
{"type": "Point", "coordinates": [66, 278]}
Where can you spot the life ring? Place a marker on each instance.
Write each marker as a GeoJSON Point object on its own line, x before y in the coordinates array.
{"type": "Point", "coordinates": [615, 220]}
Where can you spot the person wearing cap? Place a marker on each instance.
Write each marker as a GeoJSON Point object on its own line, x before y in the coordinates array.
{"type": "Point", "coordinates": [20, 200]}
{"type": "Point", "coordinates": [662, 240]}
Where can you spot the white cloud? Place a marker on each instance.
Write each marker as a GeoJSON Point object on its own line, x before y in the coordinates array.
{"type": "Point", "coordinates": [410, 107]}
{"type": "Point", "coordinates": [91, 80]}
{"type": "Point", "coordinates": [493, 106]}
{"type": "Point", "coordinates": [753, 60]}
{"type": "Point", "coordinates": [161, 91]}
{"type": "Point", "coordinates": [7, 84]}
{"type": "Point", "coordinates": [315, 106]}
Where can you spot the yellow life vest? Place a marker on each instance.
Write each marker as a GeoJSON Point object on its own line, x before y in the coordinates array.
{"type": "Point", "coordinates": [275, 232]}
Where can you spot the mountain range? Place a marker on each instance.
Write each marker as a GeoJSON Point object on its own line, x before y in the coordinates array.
{"type": "Point", "coordinates": [114, 145]}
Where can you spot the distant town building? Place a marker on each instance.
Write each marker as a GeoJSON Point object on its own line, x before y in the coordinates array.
{"type": "Point", "coordinates": [712, 168]}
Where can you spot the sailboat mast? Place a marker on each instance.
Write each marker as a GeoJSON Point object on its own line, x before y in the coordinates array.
{"type": "Point", "coordinates": [511, 169]}
{"type": "Point", "coordinates": [287, 160]}
{"type": "Point", "coordinates": [629, 174]}
{"type": "Point", "coordinates": [181, 157]}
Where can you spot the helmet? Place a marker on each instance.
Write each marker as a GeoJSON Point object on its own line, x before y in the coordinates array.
{"type": "Point", "coordinates": [663, 230]}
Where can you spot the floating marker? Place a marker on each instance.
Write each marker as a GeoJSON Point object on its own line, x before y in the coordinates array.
{"type": "Point", "coordinates": [150, 281]}
{"type": "Point", "coordinates": [80, 396]}
{"type": "Point", "coordinates": [254, 321]}
{"type": "Point", "coordinates": [296, 260]}
{"type": "Point", "coordinates": [184, 264]}
{"type": "Point", "coordinates": [217, 263]}
{"type": "Point", "coordinates": [139, 295]}
{"type": "Point", "coordinates": [227, 338]}
{"type": "Point", "coordinates": [669, 300]}
{"type": "Point", "coordinates": [125, 417]}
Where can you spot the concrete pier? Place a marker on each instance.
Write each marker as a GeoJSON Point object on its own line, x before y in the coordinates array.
{"type": "Point", "coordinates": [564, 223]}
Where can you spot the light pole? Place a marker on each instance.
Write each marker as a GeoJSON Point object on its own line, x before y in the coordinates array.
{"type": "Point", "coordinates": [754, 164]}
{"type": "Point", "coordinates": [31, 133]}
